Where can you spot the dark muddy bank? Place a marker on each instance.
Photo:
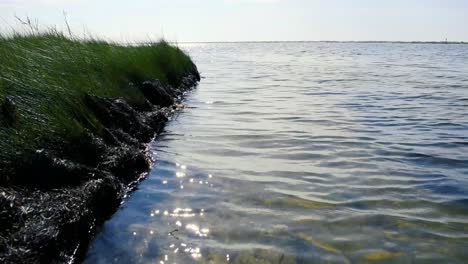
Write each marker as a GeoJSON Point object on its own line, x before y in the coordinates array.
{"type": "Point", "coordinates": [50, 213]}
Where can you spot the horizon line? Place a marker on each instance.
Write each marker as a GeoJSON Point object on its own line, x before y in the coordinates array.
{"type": "Point", "coordinates": [327, 41]}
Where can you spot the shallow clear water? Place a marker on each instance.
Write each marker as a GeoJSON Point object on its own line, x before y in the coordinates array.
{"type": "Point", "coordinates": [307, 153]}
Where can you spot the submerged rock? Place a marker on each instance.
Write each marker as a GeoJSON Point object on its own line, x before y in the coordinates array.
{"type": "Point", "coordinates": [258, 256]}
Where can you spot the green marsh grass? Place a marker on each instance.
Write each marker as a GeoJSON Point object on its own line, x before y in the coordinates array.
{"type": "Point", "coordinates": [47, 75]}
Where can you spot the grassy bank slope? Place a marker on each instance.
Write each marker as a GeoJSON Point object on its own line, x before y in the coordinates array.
{"type": "Point", "coordinates": [44, 79]}
{"type": "Point", "coordinates": [75, 117]}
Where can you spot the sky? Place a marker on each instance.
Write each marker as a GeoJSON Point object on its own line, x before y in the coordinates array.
{"type": "Point", "coordinates": [248, 20]}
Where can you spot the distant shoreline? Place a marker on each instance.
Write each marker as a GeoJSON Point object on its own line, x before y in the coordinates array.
{"type": "Point", "coordinates": [333, 41]}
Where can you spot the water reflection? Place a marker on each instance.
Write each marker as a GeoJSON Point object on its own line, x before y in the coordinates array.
{"type": "Point", "coordinates": [321, 156]}
{"type": "Point", "coordinates": [181, 223]}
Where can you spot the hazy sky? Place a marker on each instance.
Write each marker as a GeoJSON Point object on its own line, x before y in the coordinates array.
{"type": "Point", "coordinates": [243, 20]}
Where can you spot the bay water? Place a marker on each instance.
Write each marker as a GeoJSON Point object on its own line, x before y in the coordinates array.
{"type": "Point", "coordinates": [307, 152]}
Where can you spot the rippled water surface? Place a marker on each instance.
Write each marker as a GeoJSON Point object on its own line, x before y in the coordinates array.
{"type": "Point", "coordinates": [307, 153]}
